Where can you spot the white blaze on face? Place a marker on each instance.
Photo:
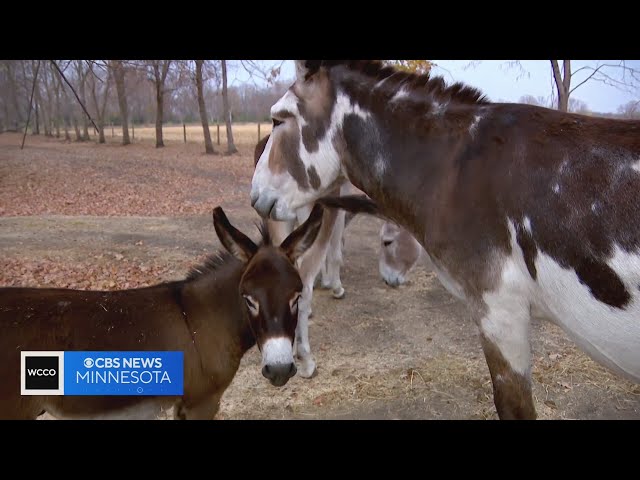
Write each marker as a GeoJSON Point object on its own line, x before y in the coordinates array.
{"type": "Point", "coordinates": [279, 192]}
{"type": "Point", "coordinates": [277, 351]}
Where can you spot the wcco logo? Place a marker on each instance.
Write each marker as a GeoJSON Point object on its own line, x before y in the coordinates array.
{"type": "Point", "coordinates": [41, 373]}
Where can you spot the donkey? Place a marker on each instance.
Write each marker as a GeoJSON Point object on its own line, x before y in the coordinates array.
{"type": "Point", "coordinates": [322, 260]}
{"type": "Point", "coordinates": [246, 295]}
{"type": "Point", "coordinates": [522, 210]}
{"type": "Point", "coordinates": [399, 253]}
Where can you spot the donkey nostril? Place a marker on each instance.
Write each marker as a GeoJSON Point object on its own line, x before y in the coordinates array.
{"type": "Point", "coordinates": [265, 371]}
{"type": "Point", "coordinates": [292, 370]}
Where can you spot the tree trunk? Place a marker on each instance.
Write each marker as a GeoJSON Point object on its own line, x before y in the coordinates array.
{"type": "Point", "coordinates": [77, 129]}
{"type": "Point", "coordinates": [47, 110]}
{"type": "Point", "coordinates": [231, 148]}
{"type": "Point", "coordinates": [36, 130]}
{"type": "Point", "coordinates": [101, 138]}
{"type": "Point", "coordinates": [159, 78]}
{"type": "Point", "coordinates": [65, 123]}
{"type": "Point", "coordinates": [563, 83]}
{"type": "Point", "coordinates": [56, 90]}
{"type": "Point", "coordinates": [208, 145]}
{"type": "Point", "coordinates": [66, 111]}
{"type": "Point", "coordinates": [159, 114]}
{"type": "Point", "coordinates": [118, 73]}
{"type": "Point", "coordinates": [100, 105]}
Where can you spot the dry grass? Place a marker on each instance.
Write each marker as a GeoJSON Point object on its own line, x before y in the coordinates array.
{"type": "Point", "coordinates": [243, 133]}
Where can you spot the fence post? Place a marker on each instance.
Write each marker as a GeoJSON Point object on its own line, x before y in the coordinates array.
{"type": "Point", "coordinates": [112, 135]}
{"type": "Point", "coordinates": [184, 129]}
{"type": "Point", "coordinates": [218, 128]}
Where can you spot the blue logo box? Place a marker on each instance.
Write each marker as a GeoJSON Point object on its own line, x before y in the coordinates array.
{"type": "Point", "coordinates": [123, 373]}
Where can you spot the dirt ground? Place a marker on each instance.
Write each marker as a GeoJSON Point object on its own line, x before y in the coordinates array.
{"type": "Point", "coordinates": [382, 353]}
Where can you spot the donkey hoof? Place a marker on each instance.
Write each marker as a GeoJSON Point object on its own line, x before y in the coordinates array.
{"type": "Point", "coordinates": [308, 369]}
{"type": "Point", "coordinates": [338, 293]}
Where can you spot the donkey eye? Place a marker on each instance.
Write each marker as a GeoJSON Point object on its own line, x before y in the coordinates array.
{"type": "Point", "coordinates": [386, 243]}
{"type": "Point", "coordinates": [254, 307]}
{"type": "Point", "coordinates": [277, 122]}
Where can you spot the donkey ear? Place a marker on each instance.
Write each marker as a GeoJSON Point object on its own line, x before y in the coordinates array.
{"type": "Point", "coordinates": [303, 237]}
{"type": "Point", "coordinates": [306, 68]}
{"type": "Point", "coordinates": [236, 242]}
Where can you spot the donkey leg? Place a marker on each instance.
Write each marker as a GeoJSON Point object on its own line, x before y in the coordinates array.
{"type": "Point", "coordinates": [302, 349]}
{"type": "Point", "coordinates": [334, 259]}
{"type": "Point", "coordinates": [504, 332]}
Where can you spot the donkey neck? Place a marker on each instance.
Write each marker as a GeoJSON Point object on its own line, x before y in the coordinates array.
{"type": "Point", "coordinates": [401, 143]}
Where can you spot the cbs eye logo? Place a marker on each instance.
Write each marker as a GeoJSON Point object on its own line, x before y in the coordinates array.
{"type": "Point", "coordinates": [41, 373]}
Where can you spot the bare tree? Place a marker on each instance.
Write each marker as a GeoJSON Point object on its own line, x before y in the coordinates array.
{"type": "Point", "coordinates": [81, 72]}
{"type": "Point", "coordinates": [578, 106]}
{"type": "Point", "coordinates": [630, 109]}
{"type": "Point", "coordinates": [563, 83]}
{"type": "Point", "coordinates": [231, 147]}
{"type": "Point", "coordinates": [618, 75]}
{"type": "Point", "coordinates": [159, 69]}
{"type": "Point", "coordinates": [50, 122]}
{"type": "Point", "coordinates": [208, 144]}
{"type": "Point", "coordinates": [64, 113]}
{"type": "Point", "coordinates": [12, 92]}
{"type": "Point", "coordinates": [118, 72]}
{"type": "Point", "coordinates": [100, 104]}
{"type": "Point", "coordinates": [529, 100]}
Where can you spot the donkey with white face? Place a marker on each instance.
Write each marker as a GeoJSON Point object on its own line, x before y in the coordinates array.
{"type": "Point", "coordinates": [522, 210]}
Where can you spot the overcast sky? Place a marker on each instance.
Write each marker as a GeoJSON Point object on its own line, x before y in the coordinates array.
{"type": "Point", "coordinates": [501, 82]}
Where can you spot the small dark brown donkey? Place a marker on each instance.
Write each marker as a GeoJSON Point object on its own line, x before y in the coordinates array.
{"type": "Point", "coordinates": [237, 298]}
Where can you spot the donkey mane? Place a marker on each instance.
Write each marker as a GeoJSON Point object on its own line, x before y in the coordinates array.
{"type": "Point", "coordinates": [221, 258]}
{"type": "Point", "coordinates": [395, 79]}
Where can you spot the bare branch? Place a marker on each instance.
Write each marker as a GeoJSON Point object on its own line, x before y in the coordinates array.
{"type": "Point", "coordinates": [586, 79]}
{"type": "Point", "coordinates": [74, 92]}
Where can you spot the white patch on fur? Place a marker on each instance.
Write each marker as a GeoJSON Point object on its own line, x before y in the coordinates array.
{"type": "Point", "coordinates": [556, 188]}
{"type": "Point", "coordinates": [610, 335]}
{"type": "Point", "coordinates": [506, 323]}
{"type": "Point", "coordinates": [563, 166]}
{"type": "Point", "coordinates": [277, 351]}
{"type": "Point", "coordinates": [594, 206]}
{"type": "Point", "coordinates": [380, 165]}
{"type": "Point", "coordinates": [288, 103]}
{"type": "Point", "coordinates": [439, 108]}
{"type": "Point", "coordinates": [267, 187]}
{"type": "Point", "coordinates": [636, 166]}
{"type": "Point", "coordinates": [402, 93]}
{"type": "Point", "coordinates": [527, 224]}
{"type": "Point", "coordinates": [474, 124]}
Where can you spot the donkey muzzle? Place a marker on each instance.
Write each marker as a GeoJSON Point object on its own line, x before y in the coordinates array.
{"type": "Point", "coordinates": [279, 374]}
